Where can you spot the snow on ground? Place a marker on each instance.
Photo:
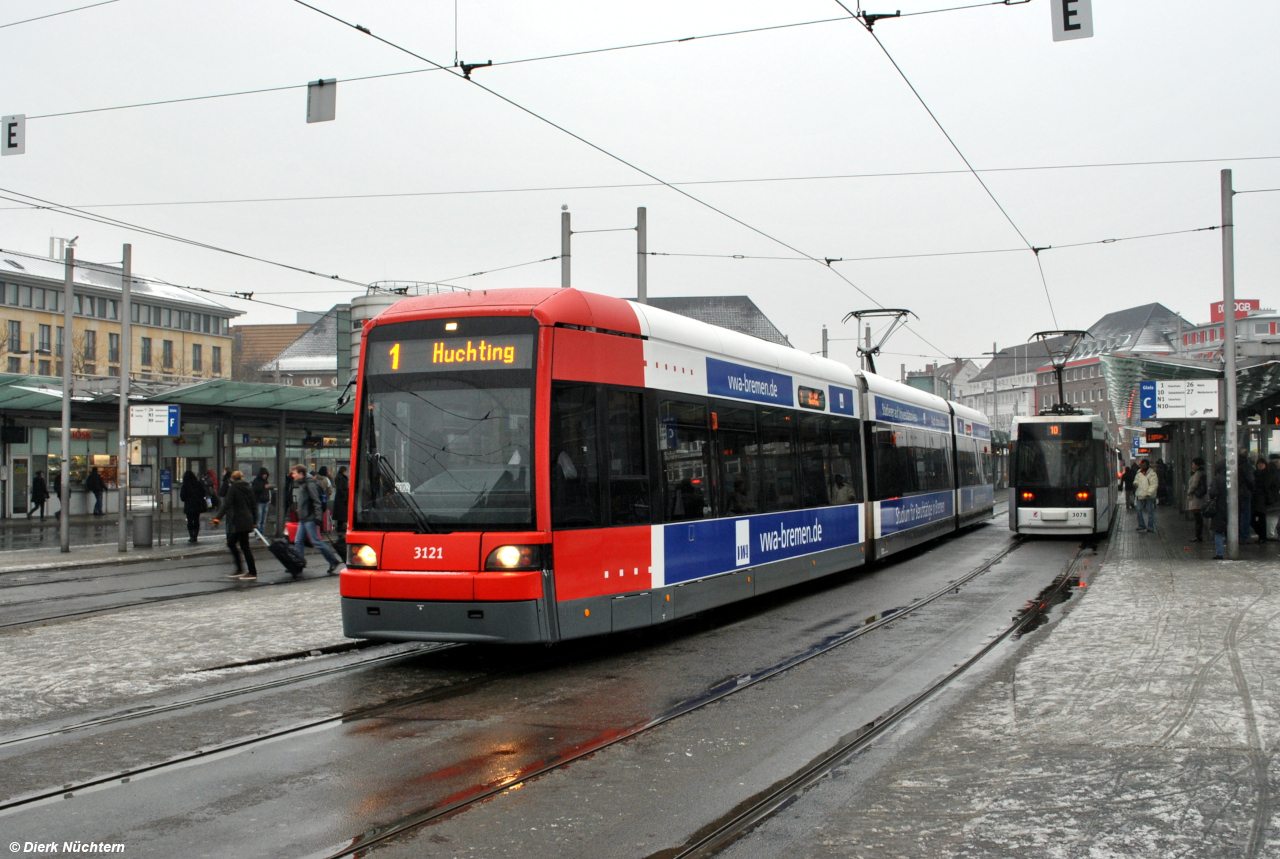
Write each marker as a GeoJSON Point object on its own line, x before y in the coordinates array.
{"type": "Point", "coordinates": [119, 657]}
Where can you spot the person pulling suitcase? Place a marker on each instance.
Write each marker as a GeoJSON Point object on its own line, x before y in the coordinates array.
{"type": "Point", "coordinates": [306, 500]}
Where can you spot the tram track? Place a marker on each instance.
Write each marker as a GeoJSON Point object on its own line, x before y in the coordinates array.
{"type": "Point", "coordinates": [144, 712]}
{"type": "Point", "coordinates": [715, 693]}
{"type": "Point", "coordinates": [465, 799]}
{"type": "Point", "coordinates": [751, 813]}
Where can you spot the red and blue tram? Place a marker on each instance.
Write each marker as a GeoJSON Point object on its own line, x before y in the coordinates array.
{"type": "Point", "coordinates": [532, 465]}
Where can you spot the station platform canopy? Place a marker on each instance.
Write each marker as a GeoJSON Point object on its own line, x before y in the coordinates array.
{"type": "Point", "coordinates": [43, 394]}
{"type": "Point", "coordinates": [1257, 379]}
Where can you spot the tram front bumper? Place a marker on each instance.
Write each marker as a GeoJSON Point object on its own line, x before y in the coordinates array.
{"type": "Point", "coordinates": [1066, 519]}
{"type": "Point", "coordinates": [515, 622]}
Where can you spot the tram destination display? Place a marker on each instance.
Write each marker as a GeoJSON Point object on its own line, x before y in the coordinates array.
{"type": "Point", "coordinates": [450, 354]}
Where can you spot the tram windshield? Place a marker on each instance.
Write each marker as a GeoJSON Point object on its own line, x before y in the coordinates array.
{"type": "Point", "coordinates": [445, 428]}
{"type": "Point", "coordinates": [1056, 455]}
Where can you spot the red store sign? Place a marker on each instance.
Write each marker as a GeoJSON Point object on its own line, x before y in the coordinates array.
{"type": "Point", "coordinates": [1243, 306]}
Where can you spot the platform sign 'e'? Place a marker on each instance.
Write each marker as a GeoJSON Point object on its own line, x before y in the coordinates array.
{"type": "Point", "coordinates": [13, 134]}
{"type": "Point", "coordinates": [1072, 19]}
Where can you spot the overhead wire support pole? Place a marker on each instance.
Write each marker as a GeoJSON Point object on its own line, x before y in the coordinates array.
{"type": "Point", "coordinates": [126, 352]}
{"type": "Point", "coordinates": [1229, 369]}
{"type": "Point", "coordinates": [565, 234]}
{"type": "Point", "coordinates": [64, 472]}
{"type": "Point", "coordinates": [642, 255]}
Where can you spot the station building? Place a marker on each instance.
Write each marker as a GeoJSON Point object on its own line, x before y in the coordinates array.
{"type": "Point", "coordinates": [181, 354]}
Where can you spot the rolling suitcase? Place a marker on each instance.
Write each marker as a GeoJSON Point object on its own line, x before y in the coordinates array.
{"type": "Point", "coordinates": [289, 556]}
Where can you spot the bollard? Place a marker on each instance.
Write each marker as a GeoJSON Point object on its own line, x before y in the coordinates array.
{"type": "Point", "coordinates": [142, 530]}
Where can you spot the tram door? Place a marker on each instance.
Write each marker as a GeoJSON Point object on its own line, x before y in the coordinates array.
{"type": "Point", "coordinates": [21, 484]}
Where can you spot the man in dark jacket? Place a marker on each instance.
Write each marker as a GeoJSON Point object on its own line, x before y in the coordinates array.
{"type": "Point", "coordinates": [262, 495]}
{"type": "Point", "coordinates": [1218, 496]}
{"type": "Point", "coordinates": [1126, 481]}
{"type": "Point", "coordinates": [193, 504]}
{"type": "Point", "coordinates": [341, 488]}
{"type": "Point", "coordinates": [95, 484]}
{"type": "Point", "coordinates": [225, 482]}
{"type": "Point", "coordinates": [1244, 474]}
{"type": "Point", "coordinates": [39, 494]}
{"type": "Point", "coordinates": [306, 500]}
{"type": "Point", "coordinates": [239, 509]}
{"type": "Point", "coordinates": [1263, 494]}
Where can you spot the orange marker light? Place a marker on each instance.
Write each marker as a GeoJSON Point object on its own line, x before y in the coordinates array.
{"type": "Point", "coordinates": [1082, 496]}
{"type": "Point", "coordinates": [1028, 496]}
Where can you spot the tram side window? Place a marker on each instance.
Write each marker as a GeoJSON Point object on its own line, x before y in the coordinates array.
{"type": "Point", "coordinates": [684, 444]}
{"type": "Point", "coordinates": [1104, 469]}
{"type": "Point", "coordinates": [739, 454]}
{"type": "Point", "coordinates": [575, 481]}
{"type": "Point", "coordinates": [814, 485]}
{"type": "Point", "coordinates": [892, 465]}
{"type": "Point", "coordinates": [777, 475]}
{"type": "Point", "coordinates": [845, 464]}
{"type": "Point", "coordinates": [629, 501]}
{"type": "Point", "coordinates": [968, 461]}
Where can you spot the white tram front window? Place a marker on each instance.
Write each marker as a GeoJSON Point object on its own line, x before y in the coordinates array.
{"type": "Point", "coordinates": [446, 427]}
{"type": "Point", "coordinates": [1053, 455]}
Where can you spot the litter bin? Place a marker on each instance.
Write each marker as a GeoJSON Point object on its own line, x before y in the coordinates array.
{"type": "Point", "coordinates": [142, 530]}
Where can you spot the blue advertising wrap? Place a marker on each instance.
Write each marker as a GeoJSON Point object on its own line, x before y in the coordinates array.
{"type": "Point", "coordinates": [749, 383]}
{"type": "Point", "coordinates": [841, 400]}
{"type": "Point", "coordinates": [905, 413]}
{"type": "Point", "coordinates": [695, 550]}
{"type": "Point", "coordinates": [902, 514]}
{"type": "Point", "coordinates": [976, 497]}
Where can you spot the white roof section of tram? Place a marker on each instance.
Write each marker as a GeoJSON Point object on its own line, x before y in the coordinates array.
{"type": "Point", "coordinates": [970, 414]}
{"type": "Point", "coordinates": [892, 390]}
{"type": "Point", "coordinates": [681, 331]}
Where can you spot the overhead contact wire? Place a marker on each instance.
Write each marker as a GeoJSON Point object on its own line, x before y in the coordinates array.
{"type": "Point", "coordinates": [871, 32]}
{"type": "Point", "coordinates": [602, 151]}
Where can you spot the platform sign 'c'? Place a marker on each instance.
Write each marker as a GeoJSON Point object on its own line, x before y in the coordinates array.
{"type": "Point", "coordinates": [1147, 401]}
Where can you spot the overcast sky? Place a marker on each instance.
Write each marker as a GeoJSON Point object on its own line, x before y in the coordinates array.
{"type": "Point", "coordinates": [1160, 80]}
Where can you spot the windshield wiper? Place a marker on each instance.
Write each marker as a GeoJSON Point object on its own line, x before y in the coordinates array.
{"type": "Point", "coordinates": [388, 475]}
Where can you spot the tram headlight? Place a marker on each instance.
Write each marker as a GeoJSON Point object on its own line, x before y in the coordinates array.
{"type": "Point", "coordinates": [514, 558]}
{"type": "Point", "coordinates": [361, 555]}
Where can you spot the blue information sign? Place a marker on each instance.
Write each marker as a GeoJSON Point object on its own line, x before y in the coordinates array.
{"type": "Point", "coordinates": [749, 383]}
{"type": "Point", "coordinates": [841, 402]}
{"type": "Point", "coordinates": [906, 413]}
{"type": "Point", "coordinates": [1147, 401]}
{"type": "Point", "coordinates": [166, 478]}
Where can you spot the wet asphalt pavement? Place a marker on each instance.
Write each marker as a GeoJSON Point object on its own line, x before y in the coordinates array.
{"type": "Point", "coordinates": [437, 725]}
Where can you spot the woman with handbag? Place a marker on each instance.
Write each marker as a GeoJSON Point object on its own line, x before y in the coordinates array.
{"type": "Point", "coordinates": [1196, 492]}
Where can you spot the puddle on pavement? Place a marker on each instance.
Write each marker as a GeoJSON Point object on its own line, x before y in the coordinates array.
{"type": "Point", "coordinates": [1058, 592]}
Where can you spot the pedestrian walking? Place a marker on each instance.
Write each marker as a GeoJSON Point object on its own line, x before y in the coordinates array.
{"type": "Point", "coordinates": [1264, 491]}
{"type": "Point", "coordinates": [1126, 481]}
{"type": "Point", "coordinates": [1197, 489]}
{"type": "Point", "coordinates": [193, 504]}
{"type": "Point", "coordinates": [306, 500]}
{"type": "Point", "coordinates": [239, 509]}
{"type": "Point", "coordinates": [1145, 485]}
{"type": "Point", "coordinates": [262, 495]}
{"type": "Point", "coordinates": [341, 488]}
{"type": "Point", "coordinates": [225, 482]}
{"type": "Point", "coordinates": [96, 485]}
{"type": "Point", "coordinates": [39, 494]}
{"type": "Point", "coordinates": [1218, 502]}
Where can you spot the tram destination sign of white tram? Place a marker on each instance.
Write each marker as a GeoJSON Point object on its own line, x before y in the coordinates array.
{"type": "Point", "coordinates": [154, 420]}
{"type": "Point", "coordinates": [1182, 399]}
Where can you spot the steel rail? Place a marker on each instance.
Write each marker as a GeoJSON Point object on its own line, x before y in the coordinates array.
{"type": "Point", "coordinates": [143, 712]}
{"type": "Point", "coordinates": [723, 690]}
{"type": "Point", "coordinates": [782, 794]}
